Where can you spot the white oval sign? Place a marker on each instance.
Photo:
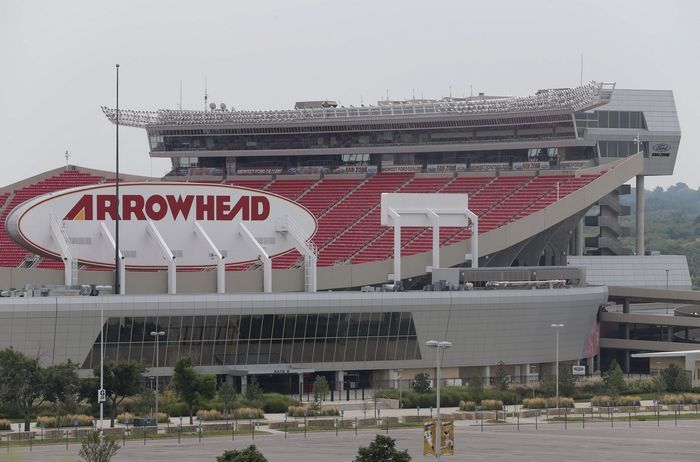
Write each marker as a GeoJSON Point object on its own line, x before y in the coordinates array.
{"type": "Point", "coordinates": [175, 210]}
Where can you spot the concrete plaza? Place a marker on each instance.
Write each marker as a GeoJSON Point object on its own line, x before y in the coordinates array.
{"type": "Point", "coordinates": [550, 442]}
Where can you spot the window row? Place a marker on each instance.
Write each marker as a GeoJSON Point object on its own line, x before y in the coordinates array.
{"type": "Point", "coordinates": [254, 352]}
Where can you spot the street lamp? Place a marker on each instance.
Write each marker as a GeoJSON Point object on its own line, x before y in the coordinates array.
{"type": "Point", "coordinates": [438, 346]}
{"type": "Point", "coordinates": [157, 335]}
{"type": "Point", "coordinates": [556, 327]}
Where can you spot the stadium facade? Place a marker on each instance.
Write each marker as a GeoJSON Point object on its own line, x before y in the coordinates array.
{"type": "Point", "coordinates": [532, 167]}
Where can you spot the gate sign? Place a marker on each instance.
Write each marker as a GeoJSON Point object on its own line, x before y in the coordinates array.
{"type": "Point", "coordinates": [175, 209]}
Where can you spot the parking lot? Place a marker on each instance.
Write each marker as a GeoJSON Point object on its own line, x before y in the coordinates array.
{"type": "Point", "coordinates": [549, 442]}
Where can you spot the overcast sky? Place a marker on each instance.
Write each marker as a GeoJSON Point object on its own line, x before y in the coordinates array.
{"type": "Point", "coordinates": [57, 62]}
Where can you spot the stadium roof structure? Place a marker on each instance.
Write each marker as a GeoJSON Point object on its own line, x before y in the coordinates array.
{"type": "Point", "coordinates": [580, 98]}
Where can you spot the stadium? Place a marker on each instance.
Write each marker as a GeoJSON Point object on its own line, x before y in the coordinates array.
{"type": "Point", "coordinates": [338, 240]}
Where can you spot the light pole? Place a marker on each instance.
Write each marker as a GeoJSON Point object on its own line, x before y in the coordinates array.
{"type": "Point", "coordinates": [556, 327]}
{"type": "Point", "coordinates": [157, 335]}
{"type": "Point", "coordinates": [438, 346]}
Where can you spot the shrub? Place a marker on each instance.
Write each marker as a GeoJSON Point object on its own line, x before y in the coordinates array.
{"type": "Point", "coordinates": [125, 416]}
{"type": "Point", "coordinates": [691, 398]}
{"type": "Point", "coordinates": [627, 400]}
{"type": "Point", "coordinates": [641, 386]}
{"type": "Point", "coordinates": [70, 420]}
{"type": "Point", "coordinates": [249, 413]}
{"type": "Point", "coordinates": [46, 421]}
{"type": "Point", "coordinates": [298, 411]}
{"type": "Point", "coordinates": [602, 400]}
{"type": "Point", "coordinates": [533, 403]}
{"type": "Point", "coordinates": [5, 424]}
{"type": "Point", "coordinates": [276, 403]}
{"type": "Point", "coordinates": [81, 419]}
{"type": "Point", "coordinates": [671, 398]}
{"type": "Point", "coordinates": [491, 405]}
{"type": "Point", "coordinates": [249, 454]}
{"type": "Point", "coordinates": [210, 414]}
{"type": "Point", "coordinates": [563, 402]}
{"type": "Point", "coordinates": [96, 447]}
{"type": "Point", "coordinates": [467, 406]}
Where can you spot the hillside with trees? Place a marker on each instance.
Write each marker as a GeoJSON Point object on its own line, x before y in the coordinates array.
{"type": "Point", "coordinates": [672, 224]}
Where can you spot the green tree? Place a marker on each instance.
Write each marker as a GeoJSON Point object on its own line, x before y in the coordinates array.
{"type": "Point", "coordinates": [192, 388]}
{"type": "Point", "coordinates": [675, 379]}
{"type": "Point", "coordinates": [476, 388]}
{"type": "Point", "coordinates": [421, 383]}
{"type": "Point", "coordinates": [97, 449]}
{"type": "Point", "coordinates": [254, 391]}
{"type": "Point", "coordinates": [61, 385]}
{"type": "Point", "coordinates": [614, 379]}
{"type": "Point", "coordinates": [501, 376]}
{"type": "Point", "coordinates": [382, 449]}
{"type": "Point", "coordinates": [22, 382]}
{"type": "Point", "coordinates": [227, 394]}
{"type": "Point", "coordinates": [120, 381]}
{"type": "Point", "coordinates": [320, 388]}
{"type": "Point", "coordinates": [249, 454]}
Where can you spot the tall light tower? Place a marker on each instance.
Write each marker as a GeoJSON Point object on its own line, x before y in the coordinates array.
{"type": "Point", "coordinates": [157, 335]}
{"type": "Point", "coordinates": [556, 327]}
{"type": "Point", "coordinates": [438, 346]}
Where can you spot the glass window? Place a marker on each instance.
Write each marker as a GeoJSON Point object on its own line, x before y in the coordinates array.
{"type": "Point", "coordinates": [624, 119]}
{"type": "Point", "coordinates": [245, 327]}
{"type": "Point", "coordinates": [603, 119]}
{"type": "Point", "coordinates": [634, 120]}
{"type": "Point", "coordinates": [614, 119]}
{"type": "Point", "coordinates": [266, 331]}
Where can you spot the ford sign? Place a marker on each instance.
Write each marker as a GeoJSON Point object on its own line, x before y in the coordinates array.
{"type": "Point", "coordinates": [661, 147]}
{"type": "Point", "coordinates": [174, 209]}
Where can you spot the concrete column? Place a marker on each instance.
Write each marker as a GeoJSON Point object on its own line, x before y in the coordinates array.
{"type": "Point", "coordinates": [487, 374]}
{"type": "Point", "coordinates": [625, 306]}
{"type": "Point", "coordinates": [579, 238]}
{"type": "Point", "coordinates": [627, 352]}
{"type": "Point", "coordinates": [527, 372]}
{"type": "Point", "coordinates": [339, 379]}
{"type": "Point", "coordinates": [640, 214]}
{"type": "Point", "coordinates": [517, 372]}
{"type": "Point", "coordinates": [591, 365]}
{"type": "Point", "coordinates": [301, 386]}
{"type": "Point", "coordinates": [244, 384]}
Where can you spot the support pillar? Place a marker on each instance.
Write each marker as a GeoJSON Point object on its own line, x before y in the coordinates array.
{"type": "Point", "coordinates": [579, 238]}
{"type": "Point", "coordinates": [640, 214]}
{"type": "Point", "coordinates": [626, 306]}
{"type": "Point", "coordinates": [339, 381]}
{"type": "Point", "coordinates": [487, 374]}
{"type": "Point", "coordinates": [301, 386]}
{"type": "Point", "coordinates": [244, 384]}
{"type": "Point", "coordinates": [627, 352]}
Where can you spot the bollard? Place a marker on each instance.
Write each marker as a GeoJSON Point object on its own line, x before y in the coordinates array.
{"type": "Point", "coordinates": [336, 427]}
{"type": "Point", "coordinates": [535, 421]}
{"type": "Point", "coordinates": [67, 431]}
{"type": "Point", "coordinates": [518, 421]}
{"type": "Point", "coordinates": [123, 437]}
{"type": "Point", "coordinates": [355, 426]}
{"type": "Point", "coordinates": [675, 417]}
{"type": "Point", "coordinates": [144, 434]}
{"type": "Point", "coordinates": [30, 443]}
{"type": "Point", "coordinates": [387, 425]}
{"type": "Point", "coordinates": [565, 414]}
{"type": "Point", "coordinates": [285, 425]}
{"type": "Point", "coordinates": [200, 432]}
{"type": "Point", "coordinates": [304, 424]}
{"type": "Point", "coordinates": [233, 431]}
{"type": "Point", "coordinates": [252, 429]}
{"type": "Point", "coordinates": [583, 420]}
{"type": "Point", "coordinates": [179, 433]}
{"type": "Point", "coordinates": [629, 418]}
{"type": "Point", "coordinates": [482, 422]}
